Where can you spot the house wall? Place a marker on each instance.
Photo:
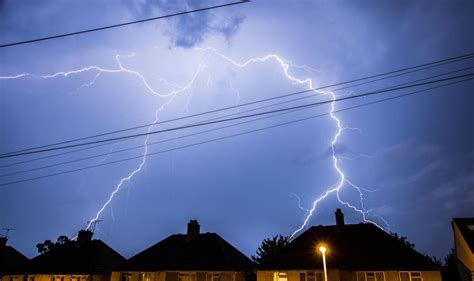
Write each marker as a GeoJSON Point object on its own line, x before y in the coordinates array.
{"type": "Point", "coordinates": [463, 252]}
{"type": "Point", "coordinates": [174, 276]}
{"type": "Point", "coordinates": [49, 277]}
{"type": "Point", "coordinates": [336, 275]}
{"type": "Point", "coordinates": [293, 275]}
{"type": "Point", "coordinates": [426, 275]}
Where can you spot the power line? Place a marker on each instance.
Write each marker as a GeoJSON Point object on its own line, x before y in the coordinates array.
{"type": "Point", "coordinates": [233, 118]}
{"type": "Point", "coordinates": [232, 136]}
{"type": "Point", "coordinates": [422, 66]}
{"type": "Point", "coordinates": [210, 130]}
{"type": "Point", "coordinates": [120, 24]}
{"type": "Point", "coordinates": [232, 114]}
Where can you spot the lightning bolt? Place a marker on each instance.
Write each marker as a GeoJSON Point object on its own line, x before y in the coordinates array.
{"type": "Point", "coordinates": [285, 65]}
{"type": "Point", "coordinates": [121, 69]}
{"type": "Point", "coordinates": [130, 176]}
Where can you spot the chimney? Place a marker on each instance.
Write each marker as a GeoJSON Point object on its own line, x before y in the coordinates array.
{"type": "Point", "coordinates": [3, 241]}
{"type": "Point", "coordinates": [193, 229]}
{"type": "Point", "coordinates": [339, 219]}
{"type": "Point", "coordinates": [84, 236]}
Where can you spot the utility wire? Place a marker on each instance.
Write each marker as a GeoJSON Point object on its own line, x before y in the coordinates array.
{"type": "Point", "coordinates": [119, 25]}
{"type": "Point", "coordinates": [240, 112]}
{"type": "Point", "coordinates": [232, 136]}
{"type": "Point", "coordinates": [210, 130]}
{"type": "Point", "coordinates": [233, 118]}
{"type": "Point", "coordinates": [422, 66]}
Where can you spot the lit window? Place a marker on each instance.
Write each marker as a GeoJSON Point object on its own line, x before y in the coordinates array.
{"type": "Point", "coordinates": [370, 276]}
{"type": "Point", "coordinates": [57, 278]}
{"type": "Point", "coordinates": [187, 277]}
{"type": "Point", "coordinates": [471, 227]}
{"type": "Point", "coordinates": [146, 276]}
{"type": "Point", "coordinates": [311, 276]}
{"type": "Point", "coordinates": [125, 277]}
{"type": "Point", "coordinates": [410, 276]}
{"type": "Point", "coordinates": [282, 277]}
{"type": "Point", "coordinates": [215, 277]}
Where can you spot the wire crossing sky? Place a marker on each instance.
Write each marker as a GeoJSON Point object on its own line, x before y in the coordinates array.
{"type": "Point", "coordinates": [372, 119]}
{"type": "Point", "coordinates": [227, 126]}
{"type": "Point", "coordinates": [36, 40]}
{"type": "Point", "coordinates": [62, 73]}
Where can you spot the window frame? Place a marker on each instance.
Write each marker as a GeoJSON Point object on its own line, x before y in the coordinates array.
{"type": "Point", "coordinates": [374, 272]}
{"type": "Point", "coordinates": [409, 275]}
{"type": "Point", "coordinates": [315, 272]}
{"type": "Point", "coordinates": [278, 273]}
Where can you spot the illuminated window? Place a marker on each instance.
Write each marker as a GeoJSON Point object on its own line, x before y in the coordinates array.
{"type": "Point", "coordinates": [146, 276]}
{"type": "Point", "coordinates": [471, 227]}
{"type": "Point", "coordinates": [280, 276]}
{"type": "Point", "coordinates": [215, 277]}
{"type": "Point", "coordinates": [311, 276]}
{"type": "Point", "coordinates": [57, 278]}
{"type": "Point", "coordinates": [187, 277]}
{"type": "Point", "coordinates": [370, 276]}
{"type": "Point", "coordinates": [125, 277]}
{"type": "Point", "coordinates": [410, 276]}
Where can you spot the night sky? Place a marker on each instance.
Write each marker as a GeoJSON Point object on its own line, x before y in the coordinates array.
{"type": "Point", "coordinates": [413, 156]}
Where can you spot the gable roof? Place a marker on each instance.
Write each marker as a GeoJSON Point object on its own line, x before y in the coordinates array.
{"type": "Point", "coordinates": [350, 247]}
{"type": "Point", "coordinates": [88, 257]}
{"type": "Point", "coordinates": [10, 259]}
{"type": "Point", "coordinates": [465, 225]}
{"type": "Point", "coordinates": [205, 251]}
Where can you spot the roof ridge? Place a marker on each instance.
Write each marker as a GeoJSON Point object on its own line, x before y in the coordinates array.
{"type": "Point", "coordinates": [220, 241]}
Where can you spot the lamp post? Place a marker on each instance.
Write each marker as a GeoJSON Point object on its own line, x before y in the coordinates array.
{"type": "Point", "coordinates": [323, 251]}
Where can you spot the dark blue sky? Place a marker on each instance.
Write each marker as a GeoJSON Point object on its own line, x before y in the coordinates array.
{"type": "Point", "coordinates": [420, 149]}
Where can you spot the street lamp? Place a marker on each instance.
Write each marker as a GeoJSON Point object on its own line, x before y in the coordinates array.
{"type": "Point", "coordinates": [323, 249]}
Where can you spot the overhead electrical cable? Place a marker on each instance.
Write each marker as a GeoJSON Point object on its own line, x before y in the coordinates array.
{"type": "Point", "coordinates": [234, 135]}
{"type": "Point", "coordinates": [421, 66]}
{"type": "Point", "coordinates": [119, 25]}
{"type": "Point", "coordinates": [234, 118]}
{"type": "Point", "coordinates": [211, 130]}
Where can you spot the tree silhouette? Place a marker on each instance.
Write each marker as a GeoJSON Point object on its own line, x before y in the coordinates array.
{"type": "Point", "coordinates": [448, 270]}
{"type": "Point", "coordinates": [41, 248]}
{"type": "Point", "coordinates": [403, 239]}
{"type": "Point", "coordinates": [49, 245]}
{"type": "Point", "coordinates": [270, 247]}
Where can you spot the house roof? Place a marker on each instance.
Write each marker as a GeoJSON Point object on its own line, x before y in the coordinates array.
{"type": "Point", "coordinates": [88, 257]}
{"type": "Point", "coordinates": [205, 251]}
{"type": "Point", "coordinates": [466, 227]}
{"type": "Point", "coordinates": [350, 247]}
{"type": "Point", "coordinates": [10, 259]}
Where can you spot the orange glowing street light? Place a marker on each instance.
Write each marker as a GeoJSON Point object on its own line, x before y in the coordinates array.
{"type": "Point", "coordinates": [323, 250]}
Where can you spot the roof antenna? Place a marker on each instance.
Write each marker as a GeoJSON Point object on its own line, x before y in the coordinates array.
{"type": "Point", "coordinates": [94, 224]}
{"type": "Point", "coordinates": [7, 231]}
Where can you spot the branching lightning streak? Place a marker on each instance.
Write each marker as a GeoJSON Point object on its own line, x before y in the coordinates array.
{"type": "Point", "coordinates": [121, 69]}
{"type": "Point", "coordinates": [355, 157]}
{"type": "Point", "coordinates": [285, 65]}
{"type": "Point", "coordinates": [298, 201]}
{"type": "Point", "coordinates": [143, 161]}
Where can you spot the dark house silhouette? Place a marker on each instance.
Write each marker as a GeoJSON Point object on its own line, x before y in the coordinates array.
{"type": "Point", "coordinates": [83, 259]}
{"type": "Point", "coordinates": [193, 256]}
{"type": "Point", "coordinates": [463, 229]}
{"type": "Point", "coordinates": [10, 258]}
{"type": "Point", "coordinates": [355, 252]}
